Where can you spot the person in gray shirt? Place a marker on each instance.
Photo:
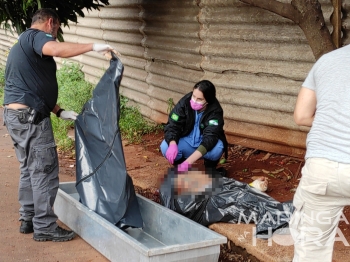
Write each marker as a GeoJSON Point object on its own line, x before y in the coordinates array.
{"type": "Point", "coordinates": [323, 104]}
{"type": "Point", "coordinates": [31, 93]}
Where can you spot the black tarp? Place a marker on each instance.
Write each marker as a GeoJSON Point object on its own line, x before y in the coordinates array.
{"type": "Point", "coordinates": [227, 200]}
{"type": "Point", "coordinates": [102, 180]}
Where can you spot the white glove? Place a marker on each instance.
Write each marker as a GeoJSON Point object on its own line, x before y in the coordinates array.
{"type": "Point", "coordinates": [102, 48]}
{"type": "Point", "coordinates": [68, 115]}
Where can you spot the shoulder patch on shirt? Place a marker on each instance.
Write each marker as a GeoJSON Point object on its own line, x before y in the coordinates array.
{"type": "Point", "coordinates": [48, 35]}
{"type": "Point", "coordinates": [174, 117]}
{"type": "Point", "coordinates": [213, 122]}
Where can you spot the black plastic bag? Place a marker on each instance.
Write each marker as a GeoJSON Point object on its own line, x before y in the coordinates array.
{"type": "Point", "coordinates": [102, 180]}
{"type": "Point", "coordinates": [227, 200]}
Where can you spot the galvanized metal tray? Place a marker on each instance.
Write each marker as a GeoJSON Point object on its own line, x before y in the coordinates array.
{"type": "Point", "coordinates": [165, 237]}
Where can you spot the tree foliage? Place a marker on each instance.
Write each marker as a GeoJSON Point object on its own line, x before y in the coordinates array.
{"type": "Point", "coordinates": [17, 14]}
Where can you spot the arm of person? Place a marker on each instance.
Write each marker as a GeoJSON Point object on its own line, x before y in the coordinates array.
{"type": "Point", "coordinates": [305, 107]}
{"type": "Point", "coordinates": [63, 114]}
{"type": "Point", "coordinates": [176, 122]}
{"type": "Point", "coordinates": [65, 49]}
{"type": "Point", "coordinates": [213, 128]}
{"type": "Point", "coordinates": [194, 157]}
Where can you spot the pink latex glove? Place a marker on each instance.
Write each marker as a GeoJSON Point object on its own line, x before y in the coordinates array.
{"type": "Point", "coordinates": [183, 167]}
{"type": "Point", "coordinates": [171, 153]}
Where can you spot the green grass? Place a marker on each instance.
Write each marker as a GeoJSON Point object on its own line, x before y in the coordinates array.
{"type": "Point", "coordinates": [73, 92]}
{"type": "Point", "coordinates": [132, 124]}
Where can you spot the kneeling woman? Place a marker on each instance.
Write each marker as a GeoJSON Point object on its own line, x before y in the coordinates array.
{"type": "Point", "coordinates": [195, 129]}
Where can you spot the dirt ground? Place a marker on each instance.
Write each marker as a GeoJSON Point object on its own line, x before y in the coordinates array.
{"type": "Point", "coordinates": [243, 164]}
{"type": "Point", "coordinates": [146, 165]}
{"type": "Point", "coordinates": [283, 173]}
{"type": "Point", "coordinates": [15, 246]}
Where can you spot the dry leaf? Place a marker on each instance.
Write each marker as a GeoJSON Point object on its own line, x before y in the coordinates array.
{"type": "Point", "coordinates": [277, 171]}
{"type": "Point", "coordinates": [267, 156]}
{"type": "Point", "coordinates": [261, 178]}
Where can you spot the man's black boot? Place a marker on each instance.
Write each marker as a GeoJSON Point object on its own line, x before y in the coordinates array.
{"type": "Point", "coordinates": [26, 227]}
{"type": "Point", "coordinates": [58, 235]}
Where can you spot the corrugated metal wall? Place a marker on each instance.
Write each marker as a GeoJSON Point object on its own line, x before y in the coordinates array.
{"type": "Point", "coordinates": [6, 41]}
{"type": "Point", "coordinates": [256, 59]}
{"type": "Point", "coordinates": [346, 22]}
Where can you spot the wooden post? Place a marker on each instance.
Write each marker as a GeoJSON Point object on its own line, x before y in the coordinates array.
{"type": "Point", "coordinates": [336, 22]}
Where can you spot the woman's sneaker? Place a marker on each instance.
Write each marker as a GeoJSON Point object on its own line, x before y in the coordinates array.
{"type": "Point", "coordinates": [26, 227]}
{"type": "Point", "coordinates": [58, 235]}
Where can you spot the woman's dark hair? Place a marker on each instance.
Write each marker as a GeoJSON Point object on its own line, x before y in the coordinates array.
{"type": "Point", "coordinates": [208, 90]}
{"type": "Point", "coordinates": [43, 14]}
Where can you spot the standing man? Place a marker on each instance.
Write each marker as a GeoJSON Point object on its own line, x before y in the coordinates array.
{"type": "Point", "coordinates": [30, 95]}
{"type": "Point", "coordinates": [324, 189]}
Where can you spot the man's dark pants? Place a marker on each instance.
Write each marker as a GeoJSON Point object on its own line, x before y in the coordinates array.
{"type": "Point", "coordinates": [36, 151]}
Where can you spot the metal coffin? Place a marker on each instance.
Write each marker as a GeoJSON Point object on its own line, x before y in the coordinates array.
{"type": "Point", "coordinates": [166, 235]}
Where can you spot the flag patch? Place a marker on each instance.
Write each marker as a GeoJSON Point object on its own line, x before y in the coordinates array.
{"type": "Point", "coordinates": [213, 122]}
{"type": "Point", "coordinates": [174, 117]}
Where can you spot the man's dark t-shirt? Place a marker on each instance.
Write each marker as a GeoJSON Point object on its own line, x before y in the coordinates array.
{"type": "Point", "coordinates": [30, 76]}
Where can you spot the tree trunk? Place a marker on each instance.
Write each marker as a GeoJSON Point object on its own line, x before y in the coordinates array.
{"type": "Point", "coordinates": [312, 22]}
{"type": "Point", "coordinates": [307, 14]}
